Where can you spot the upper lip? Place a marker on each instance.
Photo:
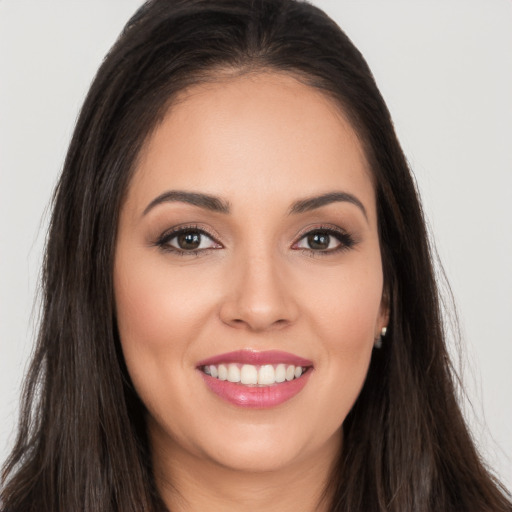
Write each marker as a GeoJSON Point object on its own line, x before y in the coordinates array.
{"type": "Point", "coordinates": [256, 358]}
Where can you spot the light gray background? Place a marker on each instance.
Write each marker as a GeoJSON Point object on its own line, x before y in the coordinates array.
{"type": "Point", "coordinates": [445, 70]}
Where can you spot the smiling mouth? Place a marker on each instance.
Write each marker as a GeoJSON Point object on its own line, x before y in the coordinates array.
{"type": "Point", "coordinates": [255, 375]}
{"type": "Point", "coordinates": [255, 379]}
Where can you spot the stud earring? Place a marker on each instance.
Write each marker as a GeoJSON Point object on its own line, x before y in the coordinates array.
{"type": "Point", "coordinates": [378, 341]}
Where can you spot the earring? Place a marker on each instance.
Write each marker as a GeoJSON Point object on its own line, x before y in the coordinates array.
{"type": "Point", "coordinates": [378, 341]}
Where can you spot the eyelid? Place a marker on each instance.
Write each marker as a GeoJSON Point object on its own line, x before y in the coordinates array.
{"type": "Point", "coordinates": [346, 239]}
{"type": "Point", "coordinates": [163, 240]}
{"type": "Point", "coordinates": [320, 227]}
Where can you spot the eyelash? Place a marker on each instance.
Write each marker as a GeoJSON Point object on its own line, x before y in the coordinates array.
{"type": "Point", "coordinates": [346, 241]}
{"type": "Point", "coordinates": [163, 242]}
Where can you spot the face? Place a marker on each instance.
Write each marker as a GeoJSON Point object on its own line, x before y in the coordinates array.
{"type": "Point", "coordinates": [248, 278]}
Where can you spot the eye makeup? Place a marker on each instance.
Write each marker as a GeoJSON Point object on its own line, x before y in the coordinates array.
{"type": "Point", "coordinates": [324, 240]}
{"type": "Point", "coordinates": [195, 240]}
{"type": "Point", "coordinates": [187, 240]}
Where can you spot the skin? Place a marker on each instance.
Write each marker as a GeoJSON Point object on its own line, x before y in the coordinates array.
{"type": "Point", "coordinates": [260, 143]}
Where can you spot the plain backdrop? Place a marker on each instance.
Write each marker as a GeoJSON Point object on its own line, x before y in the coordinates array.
{"type": "Point", "coordinates": [445, 69]}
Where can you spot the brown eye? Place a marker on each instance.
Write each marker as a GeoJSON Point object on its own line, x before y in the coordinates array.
{"type": "Point", "coordinates": [328, 241]}
{"type": "Point", "coordinates": [188, 240]}
{"type": "Point", "coordinates": [319, 241]}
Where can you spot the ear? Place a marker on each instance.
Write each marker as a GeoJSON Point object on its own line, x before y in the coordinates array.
{"type": "Point", "coordinates": [383, 319]}
{"type": "Point", "coordinates": [381, 324]}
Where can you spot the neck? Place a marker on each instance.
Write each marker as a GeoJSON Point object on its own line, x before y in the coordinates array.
{"type": "Point", "coordinates": [189, 482]}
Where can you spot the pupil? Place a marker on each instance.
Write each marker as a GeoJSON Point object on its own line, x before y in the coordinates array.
{"type": "Point", "coordinates": [189, 240]}
{"type": "Point", "coordinates": [319, 241]}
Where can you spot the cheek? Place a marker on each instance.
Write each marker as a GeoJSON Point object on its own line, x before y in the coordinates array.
{"type": "Point", "coordinates": [156, 309]}
{"type": "Point", "coordinates": [160, 313]}
{"type": "Point", "coordinates": [345, 305]}
{"type": "Point", "coordinates": [345, 311]}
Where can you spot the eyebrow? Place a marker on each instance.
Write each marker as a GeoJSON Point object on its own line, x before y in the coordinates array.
{"type": "Point", "coordinates": [218, 205]}
{"type": "Point", "coordinates": [206, 201]}
{"type": "Point", "coordinates": [312, 203]}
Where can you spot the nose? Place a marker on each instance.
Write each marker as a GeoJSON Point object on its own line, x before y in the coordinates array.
{"type": "Point", "coordinates": [259, 296]}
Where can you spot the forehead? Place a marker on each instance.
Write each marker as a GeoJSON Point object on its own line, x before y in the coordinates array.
{"type": "Point", "coordinates": [257, 135]}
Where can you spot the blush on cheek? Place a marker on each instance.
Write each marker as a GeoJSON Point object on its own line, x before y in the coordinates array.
{"type": "Point", "coordinates": [159, 308]}
{"type": "Point", "coordinates": [350, 321]}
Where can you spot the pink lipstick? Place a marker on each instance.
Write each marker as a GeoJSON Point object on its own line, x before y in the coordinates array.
{"type": "Point", "coordinates": [253, 379]}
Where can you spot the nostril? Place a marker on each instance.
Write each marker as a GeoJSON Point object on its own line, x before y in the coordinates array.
{"type": "Point", "coordinates": [255, 325]}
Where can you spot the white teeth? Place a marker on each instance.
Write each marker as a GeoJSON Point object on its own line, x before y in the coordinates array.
{"type": "Point", "coordinates": [249, 374]}
{"type": "Point", "coordinates": [223, 372]}
{"type": "Point", "coordinates": [233, 373]}
{"type": "Point", "coordinates": [280, 373]}
{"type": "Point", "coordinates": [267, 375]}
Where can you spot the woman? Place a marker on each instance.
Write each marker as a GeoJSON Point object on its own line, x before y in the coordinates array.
{"type": "Point", "coordinates": [240, 310]}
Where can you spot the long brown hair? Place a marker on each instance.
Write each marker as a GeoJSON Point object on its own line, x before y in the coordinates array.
{"type": "Point", "coordinates": [82, 441]}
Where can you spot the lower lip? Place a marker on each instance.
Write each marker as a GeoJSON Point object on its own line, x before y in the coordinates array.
{"type": "Point", "coordinates": [263, 397]}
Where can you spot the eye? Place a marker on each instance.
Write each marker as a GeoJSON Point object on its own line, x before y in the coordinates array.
{"type": "Point", "coordinates": [187, 240]}
{"type": "Point", "coordinates": [325, 240]}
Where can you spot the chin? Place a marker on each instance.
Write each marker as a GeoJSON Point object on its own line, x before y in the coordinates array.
{"type": "Point", "coordinates": [269, 448]}
{"type": "Point", "coordinates": [259, 456]}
